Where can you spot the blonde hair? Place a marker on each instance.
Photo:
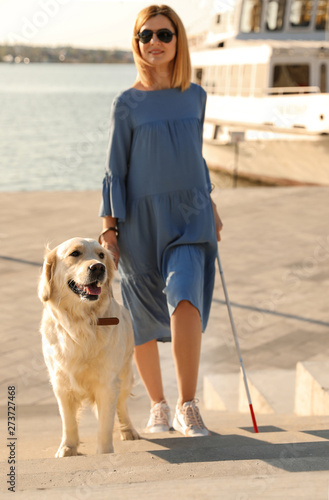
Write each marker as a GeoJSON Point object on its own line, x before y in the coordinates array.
{"type": "Point", "coordinates": [181, 73]}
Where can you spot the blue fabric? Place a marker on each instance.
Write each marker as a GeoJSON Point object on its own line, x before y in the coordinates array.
{"type": "Point", "coordinates": [157, 185]}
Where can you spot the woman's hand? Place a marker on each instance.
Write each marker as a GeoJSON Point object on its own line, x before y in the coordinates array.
{"type": "Point", "coordinates": [218, 222]}
{"type": "Point", "coordinates": [110, 242]}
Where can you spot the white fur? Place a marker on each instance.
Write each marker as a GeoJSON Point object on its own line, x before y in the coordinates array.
{"type": "Point", "coordinates": [85, 361]}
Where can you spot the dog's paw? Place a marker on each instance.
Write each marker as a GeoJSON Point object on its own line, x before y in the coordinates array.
{"type": "Point", "coordinates": [66, 451]}
{"type": "Point", "coordinates": [129, 434]}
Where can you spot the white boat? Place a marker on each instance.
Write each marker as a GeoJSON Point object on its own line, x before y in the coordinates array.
{"type": "Point", "coordinates": [265, 67]}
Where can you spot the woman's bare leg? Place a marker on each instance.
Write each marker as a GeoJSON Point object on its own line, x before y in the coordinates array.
{"type": "Point", "coordinates": [148, 364]}
{"type": "Point", "coordinates": [186, 331]}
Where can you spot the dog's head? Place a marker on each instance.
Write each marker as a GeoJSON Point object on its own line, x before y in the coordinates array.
{"type": "Point", "coordinates": [76, 269]}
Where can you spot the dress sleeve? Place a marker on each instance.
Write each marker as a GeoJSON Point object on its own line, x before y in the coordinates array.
{"type": "Point", "coordinates": [204, 101]}
{"type": "Point", "coordinates": [117, 163]}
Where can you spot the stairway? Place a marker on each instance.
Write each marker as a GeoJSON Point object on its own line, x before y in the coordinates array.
{"type": "Point", "coordinates": [288, 458]}
{"type": "Point", "coordinates": [304, 391]}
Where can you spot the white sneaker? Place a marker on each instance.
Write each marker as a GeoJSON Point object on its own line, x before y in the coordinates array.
{"type": "Point", "coordinates": [188, 420]}
{"type": "Point", "coordinates": [159, 418]}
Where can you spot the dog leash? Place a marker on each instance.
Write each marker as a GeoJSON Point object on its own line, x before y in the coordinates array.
{"type": "Point", "coordinates": [107, 321]}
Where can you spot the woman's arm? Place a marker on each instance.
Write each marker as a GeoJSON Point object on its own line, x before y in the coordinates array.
{"type": "Point", "coordinates": [109, 239]}
{"type": "Point", "coordinates": [117, 161]}
{"type": "Point", "coordinates": [113, 206]}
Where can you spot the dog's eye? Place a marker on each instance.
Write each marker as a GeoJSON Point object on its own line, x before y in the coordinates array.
{"type": "Point", "coordinates": [76, 253]}
{"type": "Point", "coordinates": [101, 255]}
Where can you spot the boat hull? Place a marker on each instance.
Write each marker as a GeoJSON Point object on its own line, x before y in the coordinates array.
{"type": "Point", "coordinates": [296, 161]}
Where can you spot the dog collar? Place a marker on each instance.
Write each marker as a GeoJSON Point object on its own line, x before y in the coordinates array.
{"type": "Point", "coordinates": [107, 321]}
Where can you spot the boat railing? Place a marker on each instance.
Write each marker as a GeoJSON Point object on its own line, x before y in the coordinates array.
{"type": "Point", "coordinates": [293, 90]}
{"type": "Point", "coordinates": [259, 92]}
{"type": "Point", "coordinates": [234, 91]}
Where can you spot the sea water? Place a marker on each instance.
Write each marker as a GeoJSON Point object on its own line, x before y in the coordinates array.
{"type": "Point", "coordinates": [54, 123]}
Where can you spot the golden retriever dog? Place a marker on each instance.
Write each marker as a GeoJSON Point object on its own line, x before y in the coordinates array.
{"type": "Point", "coordinates": [86, 361]}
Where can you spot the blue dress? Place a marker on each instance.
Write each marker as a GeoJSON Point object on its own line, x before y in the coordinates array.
{"type": "Point", "coordinates": [157, 185]}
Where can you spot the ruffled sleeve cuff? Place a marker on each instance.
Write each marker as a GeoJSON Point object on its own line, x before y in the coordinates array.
{"type": "Point", "coordinates": [114, 197]}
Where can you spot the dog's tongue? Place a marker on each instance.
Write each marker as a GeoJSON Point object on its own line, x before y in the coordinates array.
{"type": "Point", "coordinates": [92, 289]}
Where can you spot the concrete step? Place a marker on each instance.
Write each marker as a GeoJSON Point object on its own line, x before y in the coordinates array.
{"type": "Point", "coordinates": [298, 486]}
{"type": "Point", "coordinates": [304, 391]}
{"type": "Point", "coordinates": [221, 392]}
{"type": "Point", "coordinates": [312, 388]}
{"type": "Point", "coordinates": [233, 461]}
{"type": "Point", "coordinates": [271, 391]}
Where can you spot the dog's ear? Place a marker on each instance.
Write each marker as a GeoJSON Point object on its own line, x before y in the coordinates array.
{"type": "Point", "coordinates": [45, 283]}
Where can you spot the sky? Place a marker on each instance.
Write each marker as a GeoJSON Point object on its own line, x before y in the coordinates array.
{"type": "Point", "coordinates": [87, 23]}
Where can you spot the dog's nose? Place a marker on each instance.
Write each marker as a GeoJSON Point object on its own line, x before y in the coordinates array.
{"type": "Point", "coordinates": [97, 267]}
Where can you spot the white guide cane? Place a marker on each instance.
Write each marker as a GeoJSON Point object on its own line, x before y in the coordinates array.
{"type": "Point", "coordinates": [237, 343]}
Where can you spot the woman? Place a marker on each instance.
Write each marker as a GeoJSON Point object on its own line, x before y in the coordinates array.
{"type": "Point", "coordinates": [156, 197]}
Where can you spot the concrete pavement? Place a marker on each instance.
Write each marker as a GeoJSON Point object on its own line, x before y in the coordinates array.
{"type": "Point", "coordinates": [275, 254]}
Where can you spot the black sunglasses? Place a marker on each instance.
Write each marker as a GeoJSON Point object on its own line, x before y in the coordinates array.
{"type": "Point", "coordinates": [164, 35]}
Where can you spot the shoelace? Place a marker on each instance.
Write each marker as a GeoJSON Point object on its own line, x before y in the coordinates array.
{"type": "Point", "coordinates": [192, 415]}
{"type": "Point", "coordinates": [159, 414]}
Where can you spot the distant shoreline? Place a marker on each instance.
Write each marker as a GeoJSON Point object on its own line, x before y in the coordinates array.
{"type": "Point", "coordinates": [25, 54]}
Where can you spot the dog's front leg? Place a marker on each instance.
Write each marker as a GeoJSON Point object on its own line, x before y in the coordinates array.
{"type": "Point", "coordinates": [126, 427]}
{"type": "Point", "coordinates": [68, 407]}
{"type": "Point", "coordinates": [106, 406]}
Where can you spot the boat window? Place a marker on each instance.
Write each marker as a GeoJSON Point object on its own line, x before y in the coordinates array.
{"type": "Point", "coordinates": [323, 78]}
{"type": "Point", "coordinates": [206, 74]}
{"type": "Point", "coordinates": [292, 76]}
{"type": "Point", "coordinates": [221, 80]}
{"type": "Point", "coordinates": [198, 76]}
{"type": "Point", "coordinates": [217, 75]}
{"type": "Point", "coordinates": [246, 80]}
{"type": "Point", "coordinates": [211, 79]}
{"type": "Point", "coordinates": [234, 80]}
{"type": "Point", "coordinates": [259, 79]}
{"type": "Point", "coordinates": [251, 16]}
{"type": "Point", "coordinates": [321, 21]}
{"type": "Point", "coordinates": [275, 15]}
{"type": "Point", "coordinates": [300, 13]}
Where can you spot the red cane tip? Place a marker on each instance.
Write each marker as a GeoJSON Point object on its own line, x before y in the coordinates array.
{"type": "Point", "coordinates": [253, 419]}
